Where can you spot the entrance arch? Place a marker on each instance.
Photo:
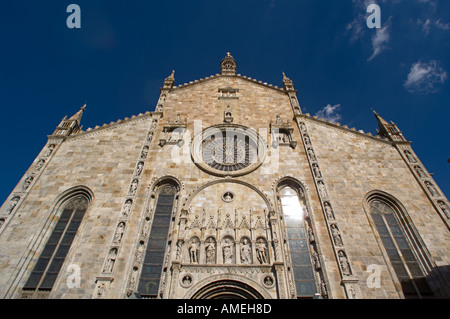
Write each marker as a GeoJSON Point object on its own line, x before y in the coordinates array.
{"type": "Point", "coordinates": [228, 287]}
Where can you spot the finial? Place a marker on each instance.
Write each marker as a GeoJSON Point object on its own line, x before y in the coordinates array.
{"type": "Point", "coordinates": [228, 54]}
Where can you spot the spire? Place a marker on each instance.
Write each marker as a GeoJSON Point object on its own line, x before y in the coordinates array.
{"type": "Point", "coordinates": [77, 116]}
{"type": "Point", "coordinates": [169, 81]}
{"type": "Point", "coordinates": [70, 125]}
{"type": "Point", "coordinates": [228, 65]}
{"type": "Point", "coordinates": [288, 85]}
{"type": "Point", "coordinates": [381, 121]}
{"type": "Point", "coordinates": [388, 130]}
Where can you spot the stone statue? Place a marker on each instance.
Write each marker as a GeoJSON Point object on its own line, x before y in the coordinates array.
{"type": "Point", "coordinates": [444, 208]}
{"type": "Point", "coordinates": [39, 165]}
{"type": "Point", "coordinates": [127, 208]}
{"type": "Point", "coordinates": [144, 152]}
{"type": "Point", "coordinates": [261, 251]}
{"type": "Point", "coordinates": [111, 260]}
{"type": "Point", "coordinates": [245, 252]}
{"type": "Point", "coordinates": [133, 187]}
{"type": "Point", "coordinates": [307, 140]}
{"type": "Point", "coordinates": [343, 261]}
{"type": "Point", "coordinates": [317, 172]}
{"type": "Point", "coordinates": [119, 232]}
{"type": "Point", "coordinates": [193, 252]}
{"type": "Point", "coordinates": [316, 259]}
{"type": "Point", "coordinates": [227, 248]}
{"type": "Point", "coordinates": [311, 154]}
{"type": "Point", "coordinates": [432, 189]}
{"type": "Point", "coordinates": [49, 150]}
{"type": "Point", "coordinates": [329, 211]}
{"type": "Point", "coordinates": [210, 252]}
{"type": "Point", "coordinates": [411, 158]}
{"type": "Point", "coordinates": [311, 237]}
{"type": "Point", "coordinates": [179, 245]}
{"type": "Point", "coordinates": [27, 183]}
{"type": "Point", "coordinates": [139, 168]}
{"type": "Point", "coordinates": [322, 190]}
{"type": "Point", "coordinates": [12, 204]}
{"type": "Point", "coordinates": [336, 235]}
{"type": "Point", "coordinates": [420, 171]}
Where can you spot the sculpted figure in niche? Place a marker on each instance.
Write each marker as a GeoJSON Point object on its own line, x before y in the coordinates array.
{"type": "Point", "coordinates": [432, 189]}
{"type": "Point", "coordinates": [139, 168]}
{"type": "Point", "coordinates": [210, 251]}
{"type": "Point", "coordinates": [328, 210]}
{"type": "Point", "coordinates": [12, 204]}
{"type": "Point", "coordinates": [110, 261]}
{"type": "Point", "coordinates": [322, 190]}
{"type": "Point", "coordinates": [302, 126]}
{"type": "Point", "coordinates": [144, 152]}
{"type": "Point", "coordinates": [307, 140]}
{"type": "Point", "coordinates": [311, 237]}
{"type": "Point", "coordinates": [179, 246]}
{"type": "Point", "coordinates": [311, 154]}
{"type": "Point", "coordinates": [27, 183]}
{"type": "Point", "coordinates": [343, 261]}
{"type": "Point", "coordinates": [119, 232]}
{"type": "Point", "coordinates": [49, 150]}
{"type": "Point", "coordinates": [127, 208]}
{"type": "Point", "coordinates": [246, 252]}
{"type": "Point", "coordinates": [411, 158]}
{"type": "Point", "coordinates": [420, 171]}
{"type": "Point", "coordinates": [2, 221]}
{"type": "Point", "coordinates": [316, 259]}
{"type": "Point", "coordinates": [261, 251]}
{"type": "Point", "coordinates": [227, 248]}
{"type": "Point", "coordinates": [149, 137]}
{"type": "Point", "coordinates": [444, 208]}
{"type": "Point", "coordinates": [268, 281]}
{"type": "Point", "coordinates": [140, 252]}
{"type": "Point", "coordinates": [336, 235]}
{"type": "Point", "coordinates": [193, 252]}
{"type": "Point", "coordinates": [133, 187]}
{"type": "Point", "coordinates": [316, 170]}
{"type": "Point", "coordinates": [39, 165]}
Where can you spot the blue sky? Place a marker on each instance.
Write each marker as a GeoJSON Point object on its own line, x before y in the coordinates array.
{"type": "Point", "coordinates": [117, 62]}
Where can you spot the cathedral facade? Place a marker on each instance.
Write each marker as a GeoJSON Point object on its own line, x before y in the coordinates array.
{"type": "Point", "coordinates": [226, 190]}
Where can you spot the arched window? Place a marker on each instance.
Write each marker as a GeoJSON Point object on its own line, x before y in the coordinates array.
{"type": "Point", "coordinates": [52, 257]}
{"type": "Point", "coordinates": [401, 246]}
{"type": "Point", "coordinates": [294, 212]}
{"type": "Point", "coordinates": [152, 267]}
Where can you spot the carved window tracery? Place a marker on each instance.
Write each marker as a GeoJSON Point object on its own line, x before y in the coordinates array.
{"type": "Point", "coordinates": [152, 267]}
{"type": "Point", "coordinates": [402, 247]}
{"type": "Point", "coordinates": [53, 255]}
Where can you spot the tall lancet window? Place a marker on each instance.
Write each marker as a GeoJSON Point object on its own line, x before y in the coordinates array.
{"type": "Point", "coordinates": [401, 245]}
{"type": "Point", "coordinates": [52, 257]}
{"type": "Point", "coordinates": [294, 213]}
{"type": "Point", "coordinates": [153, 264]}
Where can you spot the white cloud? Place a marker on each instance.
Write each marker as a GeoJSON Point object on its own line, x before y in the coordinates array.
{"type": "Point", "coordinates": [330, 113]}
{"type": "Point", "coordinates": [428, 23]}
{"type": "Point", "coordinates": [425, 77]}
{"type": "Point", "coordinates": [380, 41]}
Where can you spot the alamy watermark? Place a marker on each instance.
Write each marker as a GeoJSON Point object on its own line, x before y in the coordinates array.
{"type": "Point", "coordinates": [74, 278]}
{"type": "Point", "coordinates": [374, 279]}
{"type": "Point", "coordinates": [374, 20]}
{"type": "Point", "coordinates": [74, 19]}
